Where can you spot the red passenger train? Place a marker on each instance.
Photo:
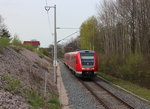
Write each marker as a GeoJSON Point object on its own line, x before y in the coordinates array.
{"type": "Point", "coordinates": [84, 62]}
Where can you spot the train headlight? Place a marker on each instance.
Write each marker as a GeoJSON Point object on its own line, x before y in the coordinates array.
{"type": "Point", "coordinates": [92, 68]}
{"type": "Point", "coordinates": [83, 68]}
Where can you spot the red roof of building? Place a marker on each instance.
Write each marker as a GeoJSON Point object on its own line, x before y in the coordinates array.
{"type": "Point", "coordinates": [32, 42]}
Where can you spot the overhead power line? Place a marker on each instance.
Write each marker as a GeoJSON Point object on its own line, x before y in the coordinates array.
{"type": "Point", "coordinates": [66, 28]}
{"type": "Point", "coordinates": [68, 36]}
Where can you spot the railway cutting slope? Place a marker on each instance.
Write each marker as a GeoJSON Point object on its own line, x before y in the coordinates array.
{"type": "Point", "coordinates": [23, 72]}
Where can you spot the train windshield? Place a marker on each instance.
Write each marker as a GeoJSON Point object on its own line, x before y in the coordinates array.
{"type": "Point", "coordinates": [87, 59]}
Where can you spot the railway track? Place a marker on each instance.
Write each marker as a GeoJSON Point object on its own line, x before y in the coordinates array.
{"type": "Point", "coordinates": [107, 99]}
{"type": "Point", "coordinates": [104, 96]}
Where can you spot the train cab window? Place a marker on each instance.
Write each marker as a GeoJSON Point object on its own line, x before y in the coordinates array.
{"type": "Point", "coordinates": [87, 59]}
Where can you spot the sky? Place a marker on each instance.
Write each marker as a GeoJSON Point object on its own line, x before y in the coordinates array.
{"type": "Point", "coordinates": [28, 19]}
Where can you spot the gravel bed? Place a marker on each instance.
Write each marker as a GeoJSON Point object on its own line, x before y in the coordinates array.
{"type": "Point", "coordinates": [79, 97]}
{"type": "Point", "coordinates": [136, 103]}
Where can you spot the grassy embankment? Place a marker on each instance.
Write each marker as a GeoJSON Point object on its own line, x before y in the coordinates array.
{"type": "Point", "coordinates": [5, 42]}
{"type": "Point", "coordinates": [14, 85]}
{"type": "Point", "coordinates": [136, 89]}
{"type": "Point", "coordinates": [35, 99]}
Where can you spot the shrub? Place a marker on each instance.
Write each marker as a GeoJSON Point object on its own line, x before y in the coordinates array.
{"type": "Point", "coordinates": [4, 42]}
{"type": "Point", "coordinates": [29, 47]}
{"type": "Point", "coordinates": [131, 70]}
{"type": "Point", "coordinates": [110, 64]}
{"type": "Point", "coordinates": [16, 41]}
{"type": "Point", "coordinates": [134, 68]}
{"type": "Point", "coordinates": [40, 53]}
{"type": "Point", "coordinates": [45, 52]}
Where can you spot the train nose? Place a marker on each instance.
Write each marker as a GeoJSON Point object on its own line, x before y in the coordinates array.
{"type": "Point", "coordinates": [87, 74]}
{"type": "Point", "coordinates": [87, 68]}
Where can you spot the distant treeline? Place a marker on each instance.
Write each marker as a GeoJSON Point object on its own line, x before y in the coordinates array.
{"type": "Point", "coordinates": [122, 28]}
{"type": "Point", "coordinates": [120, 34]}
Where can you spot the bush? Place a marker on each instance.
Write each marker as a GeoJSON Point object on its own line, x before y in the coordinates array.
{"type": "Point", "coordinates": [29, 47]}
{"type": "Point", "coordinates": [134, 68]}
{"type": "Point", "coordinates": [4, 42]}
{"type": "Point", "coordinates": [110, 64]}
{"type": "Point", "coordinates": [40, 53]}
{"type": "Point", "coordinates": [45, 52]}
{"type": "Point", "coordinates": [16, 41]}
{"type": "Point", "coordinates": [131, 70]}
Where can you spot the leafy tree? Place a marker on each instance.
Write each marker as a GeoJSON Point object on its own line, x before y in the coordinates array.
{"type": "Point", "coordinates": [5, 33]}
{"type": "Point", "coordinates": [87, 33]}
{"type": "Point", "coordinates": [3, 30]}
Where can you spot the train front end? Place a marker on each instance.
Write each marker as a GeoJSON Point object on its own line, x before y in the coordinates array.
{"type": "Point", "coordinates": [88, 63]}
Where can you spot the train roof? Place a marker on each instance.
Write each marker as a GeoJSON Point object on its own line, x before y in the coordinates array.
{"type": "Point", "coordinates": [81, 51]}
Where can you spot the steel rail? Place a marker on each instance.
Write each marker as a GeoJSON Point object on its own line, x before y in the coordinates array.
{"type": "Point", "coordinates": [92, 92]}
{"type": "Point", "coordinates": [119, 99]}
{"type": "Point", "coordinates": [97, 98]}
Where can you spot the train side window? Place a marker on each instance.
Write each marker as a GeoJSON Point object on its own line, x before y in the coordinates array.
{"type": "Point", "coordinates": [76, 60]}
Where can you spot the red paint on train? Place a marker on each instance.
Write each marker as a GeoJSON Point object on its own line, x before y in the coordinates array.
{"type": "Point", "coordinates": [84, 63]}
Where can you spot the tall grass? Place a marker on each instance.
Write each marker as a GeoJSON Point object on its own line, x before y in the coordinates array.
{"type": "Point", "coordinates": [35, 99]}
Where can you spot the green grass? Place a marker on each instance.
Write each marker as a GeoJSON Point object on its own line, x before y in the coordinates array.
{"type": "Point", "coordinates": [35, 100]}
{"type": "Point", "coordinates": [54, 100]}
{"type": "Point", "coordinates": [17, 43]}
{"type": "Point", "coordinates": [12, 84]}
{"type": "Point", "coordinates": [32, 96]}
{"type": "Point", "coordinates": [140, 91]}
{"type": "Point", "coordinates": [55, 104]}
{"type": "Point", "coordinates": [54, 107]}
{"type": "Point", "coordinates": [38, 101]}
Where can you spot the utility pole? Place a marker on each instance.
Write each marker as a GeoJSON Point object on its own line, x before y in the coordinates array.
{"type": "Point", "coordinates": [55, 47]}
{"type": "Point", "coordinates": [47, 8]}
